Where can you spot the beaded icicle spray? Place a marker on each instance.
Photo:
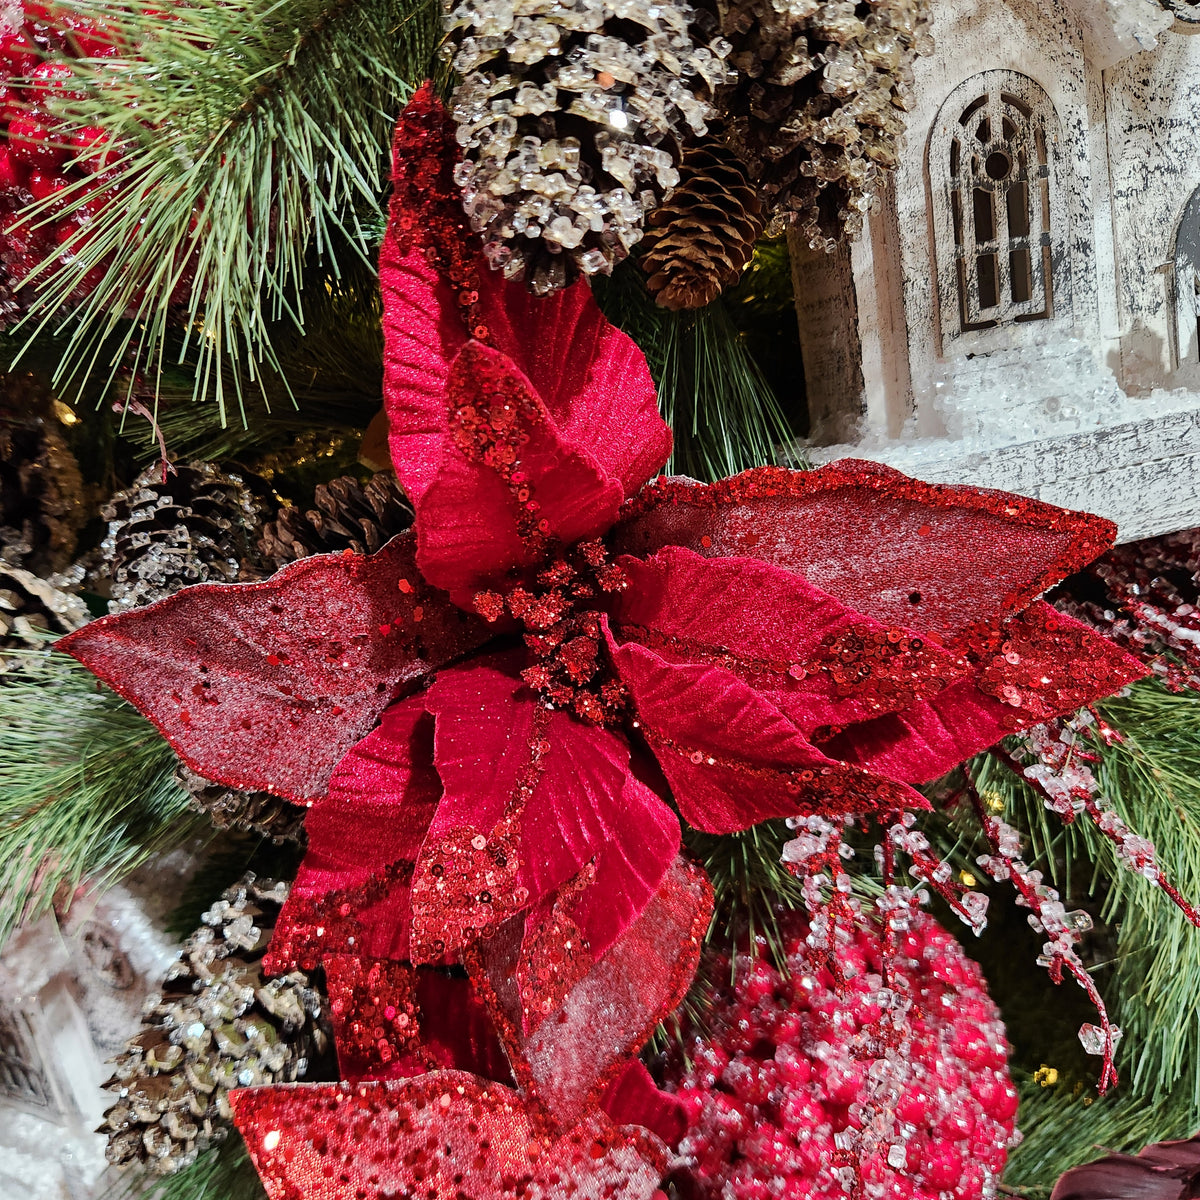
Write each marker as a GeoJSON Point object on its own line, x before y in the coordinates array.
{"type": "Point", "coordinates": [571, 118]}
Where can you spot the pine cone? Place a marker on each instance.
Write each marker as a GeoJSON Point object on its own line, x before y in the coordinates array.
{"type": "Point", "coordinates": [571, 118]}
{"type": "Point", "coordinates": [31, 607]}
{"type": "Point", "coordinates": [348, 515]}
{"type": "Point", "coordinates": [42, 500]}
{"type": "Point", "coordinates": [218, 1025]}
{"type": "Point", "coordinates": [816, 110]}
{"type": "Point", "coordinates": [700, 241]}
{"type": "Point", "coordinates": [255, 812]}
{"type": "Point", "coordinates": [200, 526]}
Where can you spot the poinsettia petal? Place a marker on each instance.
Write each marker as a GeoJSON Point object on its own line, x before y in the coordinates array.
{"type": "Point", "coordinates": [267, 685]}
{"type": "Point", "coordinates": [1048, 664]}
{"type": "Point", "coordinates": [592, 378]}
{"type": "Point", "coordinates": [532, 796]}
{"type": "Point", "coordinates": [930, 557]}
{"type": "Point", "coordinates": [508, 481]}
{"type": "Point", "coordinates": [633, 1099]}
{"type": "Point", "coordinates": [442, 1136]}
{"type": "Point", "coordinates": [732, 758]}
{"type": "Point", "coordinates": [815, 660]}
{"type": "Point", "coordinates": [569, 1061]}
{"type": "Point", "coordinates": [351, 891]}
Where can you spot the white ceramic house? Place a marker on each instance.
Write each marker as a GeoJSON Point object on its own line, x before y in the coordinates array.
{"type": "Point", "coordinates": [1023, 310]}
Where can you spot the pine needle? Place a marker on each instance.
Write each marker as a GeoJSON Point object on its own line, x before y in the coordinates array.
{"type": "Point", "coordinates": [87, 787]}
{"type": "Point", "coordinates": [223, 1172]}
{"type": "Point", "coordinates": [254, 137]}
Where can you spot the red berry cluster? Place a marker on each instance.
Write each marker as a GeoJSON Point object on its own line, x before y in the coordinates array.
{"type": "Point", "coordinates": [40, 156]}
{"type": "Point", "coordinates": [773, 1091]}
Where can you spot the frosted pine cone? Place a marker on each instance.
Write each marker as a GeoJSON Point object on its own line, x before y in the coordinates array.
{"type": "Point", "coordinates": [252, 812]}
{"type": "Point", "coordinates": [571, 119]}
{"type": "Point", "coordinates": [199, 526]}
{"type": "Point", "coordinates": [218, 1025]}
{"type": "Point", "coordinates": [816, 112]}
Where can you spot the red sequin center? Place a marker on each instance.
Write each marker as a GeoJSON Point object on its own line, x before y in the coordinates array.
{"type": "Point", "coordinates": [376, 1017]}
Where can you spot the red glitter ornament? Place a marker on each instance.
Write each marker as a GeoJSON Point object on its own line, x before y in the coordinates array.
{"type": "Point", "coordinates": [794, 1094]}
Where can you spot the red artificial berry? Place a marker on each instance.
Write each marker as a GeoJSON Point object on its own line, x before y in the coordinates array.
{"type": "Point", "coordinates": [92, 150]}
{"type": "Point", "coordinates": [31, 140]}
{"type": "Point", "coordinates": [42, 184]}
{"type": "Point", "coordinates": [18, 54]}
{"type": "Point", "coordinates": [54, 79]}
{"type": "Point", "coordinates": [12, 173]}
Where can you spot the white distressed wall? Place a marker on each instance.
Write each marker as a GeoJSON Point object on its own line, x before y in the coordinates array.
{"type": "Point", "coordinates": [1153, 120]}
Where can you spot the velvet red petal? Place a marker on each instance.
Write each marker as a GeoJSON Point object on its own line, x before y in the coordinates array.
{"type": "Point", "coordinates": [732, 758]}
{"type": "Point", "coordinates": [592, 378]}
{"type": "Point", "coordinates": [442, 1136]}
{"type": "Point", "coordinates": [532, 797]}
{"type": "Point", "coordinates": [1046, 665]}
{"type": "Point", "coordinates": [569, 1061]}
{"type": "Point", "coordinates": [929, 557]}
{"type": "Point", "coordinates": [351, 892]}
{"type": "Point", "coordinates": [633, 1099]}
{"type": "Point", "coordinates": [267, 685]}
{"type": "Point", "coordinates": [816, 661]}
{"type": "Point", "coordinates": [508, 481]}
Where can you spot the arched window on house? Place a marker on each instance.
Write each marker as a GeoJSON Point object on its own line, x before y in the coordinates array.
{"type": "Point", "coordinates": [999, 215]}
{"type": "Point", "coordinates": [1187, 283]}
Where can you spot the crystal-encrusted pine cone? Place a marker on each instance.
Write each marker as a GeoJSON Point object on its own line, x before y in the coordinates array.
{"type": "Point", "coordinates": [32, 608]}
{"type": "Point", "coordinates": [817, 108]}
{"type": "Point", "coordinates": [251, 812]}
{"type": "Point", "coordinates": [571, 118]}
{"type": "Point", "coordinates": [218, 1025]}
{"type": "Point", "coordinates": [346, 515]}
{"type": "Point", "coordinates": [199, 526]}
{"type": "Point", "coordinates": [701, 239]}
{"type": "Point", "coordinates": [42, 495]}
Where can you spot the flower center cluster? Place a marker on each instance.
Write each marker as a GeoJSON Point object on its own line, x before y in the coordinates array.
{"type": "Point", "coordinates": [561, 617]}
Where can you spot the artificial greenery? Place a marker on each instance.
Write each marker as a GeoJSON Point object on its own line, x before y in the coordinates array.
{"type": "Point", "coordinates": [253, 138]}
{"type": "Point", "coordinates": [87, 787]}
{"type": "Point", "coordinates": [223, 1172]}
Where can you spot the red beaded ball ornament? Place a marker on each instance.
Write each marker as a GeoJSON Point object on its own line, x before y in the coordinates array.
{"type": "Point", "coordinates": [792, 1076]}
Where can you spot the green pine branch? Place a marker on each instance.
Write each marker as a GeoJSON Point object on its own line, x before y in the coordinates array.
{"type": "Point", "coordinates": [223, 1172]}
{"type": "Point", "coordinates": [254, 140]}
{"type": "Point", "coordinates": [87, 788]}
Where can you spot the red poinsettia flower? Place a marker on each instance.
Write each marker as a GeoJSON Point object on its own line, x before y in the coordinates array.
{"type": "Point", "coordinates": [778, 643]}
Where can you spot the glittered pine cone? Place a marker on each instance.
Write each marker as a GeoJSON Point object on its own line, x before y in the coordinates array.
{"type": "Point", "coordinates": [251, 812]}
{"type": "Point", "coordinates": [200, 525]}
{"type": "Point", "coordinates": [42, 495]}
{"type": "Point", "coordinates": [699, 241]}
{"type": "Point", "coordinates": [346, 515]}
{"type": "Point", "coordinates": [218, 1025]}
{"type": "Point", "coordinates": [816, 111]}
{"type": "Point", "coordinates": [32, 608]}
{"type": "Point", "coordinates": [571, 119]}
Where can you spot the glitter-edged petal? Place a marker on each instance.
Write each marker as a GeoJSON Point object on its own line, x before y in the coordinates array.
{"type": "Point", "coordinates": [268, 685]}
{"type": "Point", "coordinates": [938, 559]}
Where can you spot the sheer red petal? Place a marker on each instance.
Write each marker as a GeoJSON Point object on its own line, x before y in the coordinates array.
{"type": "Point", "coordinates": [392, 1020]}
{"type": "Point", "coordinates": [929, 557]}
{"type": "Point", "coordinates": [351, 894]}
{"type": "Point", "coordinates": [812, 658]}
{"type": "Point", "coordinates": [508, 481]}
{"type": "Point", "coordinates": [732, 758]}
{"type": "Point", "coordinates": [442, 1136]}
{"type": "Point", "coordinates": [592, 378]}
{"type": "Point", "coordinates": [570, 1060]}
{"type": "Point", "coordinates": [1046, 664]}
{"type": "Point", "coordinates": [532, 798]}
{"type": "Point", "coordinates": [267, 685]}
